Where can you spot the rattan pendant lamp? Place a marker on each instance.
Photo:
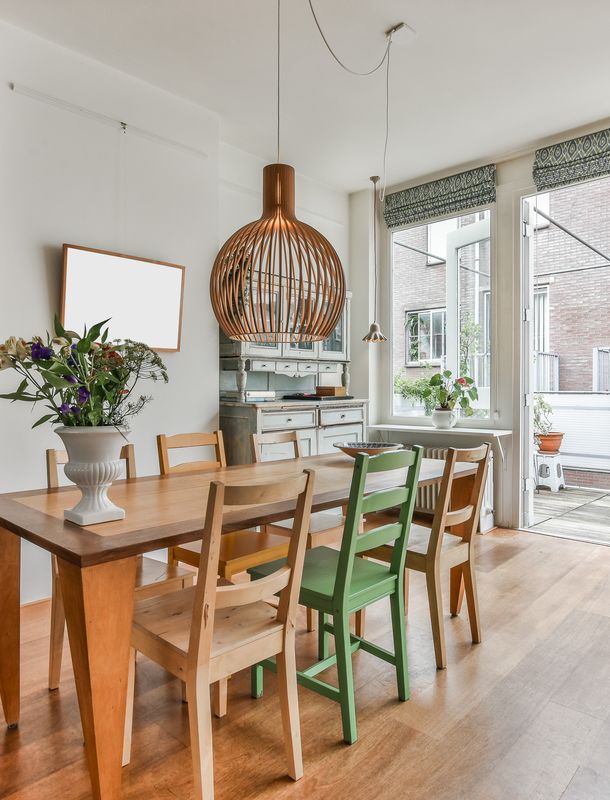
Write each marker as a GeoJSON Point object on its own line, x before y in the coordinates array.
{"type": "Point", "coordinates": [277, 279]}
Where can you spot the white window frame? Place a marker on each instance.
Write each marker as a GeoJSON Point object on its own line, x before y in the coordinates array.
{"type": "Point", "coordinates": [422, 419]}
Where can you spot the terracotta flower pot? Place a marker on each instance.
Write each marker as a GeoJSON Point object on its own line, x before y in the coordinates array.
{"type": "Point", "coordinates": [549, 442]}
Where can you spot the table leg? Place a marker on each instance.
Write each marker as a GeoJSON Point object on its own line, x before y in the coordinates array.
{"type": "Point", "coordinates": [10, 567]}
{"type": "Point", "coordinates": [98, 603]}
{"type": "Point", "coordinates": [461, 492]}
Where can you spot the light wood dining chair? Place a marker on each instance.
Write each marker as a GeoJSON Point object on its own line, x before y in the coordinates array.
{"type": "Point", "coordinates": [204, 633]}
{"type": "Point", "coordinates": [152, 576]}
{"type": "Point", "coordinates": [449, 545]}
{"type": "Point", "coordinates": [325, 528]}
{"type": "Point", "coordinates": [239, 550]}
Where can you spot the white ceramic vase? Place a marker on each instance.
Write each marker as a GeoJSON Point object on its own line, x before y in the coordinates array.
{"type": "Point", "coordinates": [93, 464]}
{"type": "Point", "coordinates": [443, 419]}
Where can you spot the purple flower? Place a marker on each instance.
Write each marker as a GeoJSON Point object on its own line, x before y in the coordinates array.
{"type": "Point", "coordinates": [40, 352]}
{"type": "Point", "coordinates": [75, 409]}
{"type": "Point", "coordinates": [70, 378]}
{"type": "Point", "coordinates": [64, 408]}
{"type": "Point", "coordinates": [83, 395]}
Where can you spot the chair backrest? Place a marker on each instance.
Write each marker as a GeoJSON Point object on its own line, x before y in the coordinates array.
{"type": "Point", "coordinates": [402, 494]}
{"type": "Point", "coordinates": [57, 458]}
{"type": "Point", "coordinates": [184, 440]}
{"type": "Point", "coordinates": [462, 521]}
{"type": "Point", "coordinates": [259, 440]}
{"type": "Point", "coordinates": [286, 580]}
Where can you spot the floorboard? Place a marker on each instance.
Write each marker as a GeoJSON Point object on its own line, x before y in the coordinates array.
{"type": "Point", "coordinates": [524, 715]}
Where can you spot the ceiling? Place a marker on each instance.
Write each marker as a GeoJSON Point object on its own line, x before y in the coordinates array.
{"type": "Point", "coordinates": [482, 77]}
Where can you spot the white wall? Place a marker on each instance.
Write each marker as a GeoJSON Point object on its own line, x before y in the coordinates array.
{"type": "Point", "coordinates": [66, 178]}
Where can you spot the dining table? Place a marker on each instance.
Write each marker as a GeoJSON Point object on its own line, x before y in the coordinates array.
{"type": "Point", "coordinates": [97, 572]}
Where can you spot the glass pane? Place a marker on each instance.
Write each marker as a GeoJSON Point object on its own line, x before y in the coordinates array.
{"type": "Point", "coordinates": [334, 343]}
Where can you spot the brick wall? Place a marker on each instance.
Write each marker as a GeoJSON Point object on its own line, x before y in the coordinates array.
{"type": "Point", "coordinates": [578, 301]}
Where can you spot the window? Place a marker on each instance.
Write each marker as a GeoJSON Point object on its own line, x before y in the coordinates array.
{"type": "Point", "coordinates": [425, 336]}
{"type": "Point", "coordinates": [541, 319]}
{"type": "Point", "coordinates": [445, 313]}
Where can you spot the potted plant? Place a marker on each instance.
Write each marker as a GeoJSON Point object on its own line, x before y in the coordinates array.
{"type": "Point", "coordinates": [86, 384]}
{"type": "Point", "coordinates": [547, 440]}
{"type": "Point", "coordinates": [449, 392]}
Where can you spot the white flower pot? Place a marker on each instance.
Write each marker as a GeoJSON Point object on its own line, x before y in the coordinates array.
{"type": "Point", "coordinates": [443, 419]}
{"type": "Point", "coordinates": [93, 464]}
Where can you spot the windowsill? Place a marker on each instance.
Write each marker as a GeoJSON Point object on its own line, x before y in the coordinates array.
{"type": "Point", "coordinates": [496, 433]}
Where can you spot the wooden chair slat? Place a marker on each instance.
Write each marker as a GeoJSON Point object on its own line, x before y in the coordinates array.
{"type": "Point", "coordinates": [240, 594]}
{"type": "Point", "coordinates": [378, 537]}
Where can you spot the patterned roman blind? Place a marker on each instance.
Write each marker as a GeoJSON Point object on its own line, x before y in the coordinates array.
{"type": "Point", "coordinates": [471, 189]}
{"type": "Point", "coordinates": [572, 161]}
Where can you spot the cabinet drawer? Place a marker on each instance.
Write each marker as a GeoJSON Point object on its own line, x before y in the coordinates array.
{"type": "Point", "coordinates": [286, 366]}
{"type": "Point", "coordinates": [341, 416]}
{"type": "Point", "coordinates": [308, 367]}
{"type": "Point", "coordinates": [327, 437]}
{"type": "Point", "coordinates": [287, 420]}
{"type": "Point", "coordinates": [260, 365]}
{"type": "Point", "coordinates": [328, 368]}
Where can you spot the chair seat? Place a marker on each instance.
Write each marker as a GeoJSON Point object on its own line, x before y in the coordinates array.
{"type": "Point", "coordinates": [166, 620]}
{"type": "Point", "coordinates": [153, 577]}
{"type": "Point", "coordinates": [320, 572]}
{"type": "Point", "coordinates": [239, 549]}
{"type": "Point", "coordinates": [325, 527]}
{"type": "Point", "coordinates": [419, 538]}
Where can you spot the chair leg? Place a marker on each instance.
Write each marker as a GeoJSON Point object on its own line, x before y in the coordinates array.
{"type": "Point", "coordinates": [219, 698]}
{"type": "Point", "coordinates": [171, 558]}
{"type": "Point", "coordinates": [58, 626]}
{"type": "Point", "coordinates": [131, 678]}
{"type": "Point", "coordinates": [256, 681]}
{"type": "Point", "coordinates": [435, 599]}
{"type": "Point", "coordinates": [311, 620]}
{"type": "Point", "coordinates": [399, 634]}
{"type": "Point", "coordinates": [200, 726]}
{"type": "Point", "coordinates": [323, 650]}
{"type": "Point", "coordinates": [472, 601]}
{"type": "Point", "coordinates": [360, 626]}
{"type": "Point", "coordinates": [456, 590]}
{"type": "Point", "coordinates": [406, 591]}
{"type": "Point", "coordinates": [289, 705]}
{"type": "Point", "coordinates": [345, 676]}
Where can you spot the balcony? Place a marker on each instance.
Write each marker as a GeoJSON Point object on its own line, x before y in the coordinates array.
{"type": "Point", "coordinates": [546, 372]}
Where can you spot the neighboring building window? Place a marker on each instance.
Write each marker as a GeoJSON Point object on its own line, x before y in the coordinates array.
{"type": "Point", "coordinates": [541, 319]}
{"type": "Point", "coordinates": [425, 336]}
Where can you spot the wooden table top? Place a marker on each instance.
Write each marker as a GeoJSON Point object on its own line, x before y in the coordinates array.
{"type": "Point", "coordinates": [170, 510]}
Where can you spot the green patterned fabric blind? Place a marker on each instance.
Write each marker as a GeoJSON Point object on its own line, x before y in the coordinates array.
{"type": "Point", "coordinates": [471, 189]}
{"type": "Point", "coordinates": [572, 161]}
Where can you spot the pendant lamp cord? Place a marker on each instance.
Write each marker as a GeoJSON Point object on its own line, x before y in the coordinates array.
{"type": "Point", "coordinates": [375, 241]}
{"type": "Point", "coordinates": [385, 60]}
{"type": "Point", "coordinates": [278, 79]}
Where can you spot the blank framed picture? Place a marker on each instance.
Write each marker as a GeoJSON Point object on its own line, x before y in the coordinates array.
{"type": "Point", "coordinates": [143, 298]}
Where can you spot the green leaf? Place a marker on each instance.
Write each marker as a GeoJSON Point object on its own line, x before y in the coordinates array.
{"type": "Point", "coordinates": [56, 381]}
{"type": "Point", "coordinates": [96, 329]}
{"type": "Point", "coordinates": [447, 373]}
{"type": "Point", "coordinates": [42, 420]}
{"type": "Point", "coordinates": [59, 328]}
{"type": "Point", "coordinates": [84, 345]}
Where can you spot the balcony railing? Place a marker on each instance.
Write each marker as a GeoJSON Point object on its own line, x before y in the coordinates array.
{"type": "Point", "coordinates": [546, 372]}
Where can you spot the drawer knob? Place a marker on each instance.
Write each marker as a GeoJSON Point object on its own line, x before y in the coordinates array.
{"type": "Point", "coordinates": [342, 416]}
{"type": "Point", "coordinates": [289, 419]}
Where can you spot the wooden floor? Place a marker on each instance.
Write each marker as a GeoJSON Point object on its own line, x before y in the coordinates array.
{"type": "Point", "coordinates": [573, 512]}
{"type": "Point", "coordinates": [523, 716]}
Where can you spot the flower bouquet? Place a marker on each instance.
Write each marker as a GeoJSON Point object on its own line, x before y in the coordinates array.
{"type": "Point", "coordinates": [86, 384]}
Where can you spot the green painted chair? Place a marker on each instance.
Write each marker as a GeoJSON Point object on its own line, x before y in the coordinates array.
{"type": "Point", "coordinates": [336, 583]}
